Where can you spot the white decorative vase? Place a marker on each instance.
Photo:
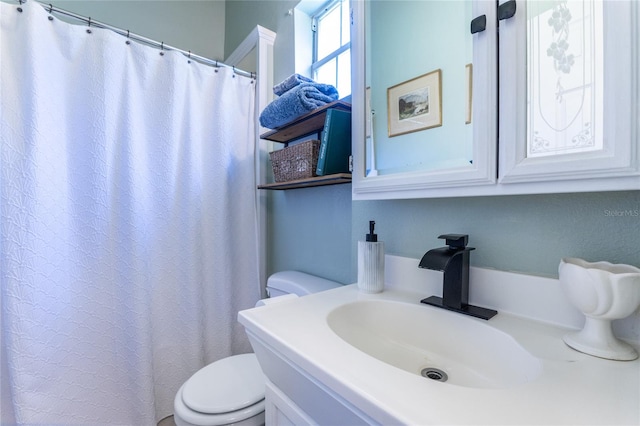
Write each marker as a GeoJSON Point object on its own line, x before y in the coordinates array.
{"type": "Point", "coordinates": [603, 292]}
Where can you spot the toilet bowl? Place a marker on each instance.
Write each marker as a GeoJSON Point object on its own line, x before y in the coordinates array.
{"type": "Point", "coordinates": [230, 391]}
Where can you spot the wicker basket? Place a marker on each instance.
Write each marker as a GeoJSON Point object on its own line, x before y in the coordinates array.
{"type": "Point", "coordinates": [297, 161]}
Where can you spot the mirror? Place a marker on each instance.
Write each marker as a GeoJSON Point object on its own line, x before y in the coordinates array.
{"type": "Point", "coordinates": [417, 56]}
{"type": "Point", "coordinates": [429, 90]}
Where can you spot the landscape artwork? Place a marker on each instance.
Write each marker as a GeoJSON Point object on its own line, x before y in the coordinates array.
{"type": "Point", "coordinates": [413, 104]}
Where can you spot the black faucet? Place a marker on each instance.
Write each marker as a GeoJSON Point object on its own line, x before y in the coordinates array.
{"type": "Point", "coordinates": [454, 262]}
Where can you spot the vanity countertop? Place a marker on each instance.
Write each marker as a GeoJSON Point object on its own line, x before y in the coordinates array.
{"type": "Point", "coordinates": [573, 388]}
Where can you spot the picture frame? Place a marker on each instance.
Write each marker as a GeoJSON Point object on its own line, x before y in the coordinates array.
{"type": "Point", "coordinates": [415, 104]}
{"type": "Point", "coordinates": [469, 106]}
{"type": "Point", "coordinates": [367, 103]}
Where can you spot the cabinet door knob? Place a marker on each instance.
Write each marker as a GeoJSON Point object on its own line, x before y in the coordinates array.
{"type": "Point", "coordinates": [506, 10]}
{"type": "Point", "coordinates": [478, 24]}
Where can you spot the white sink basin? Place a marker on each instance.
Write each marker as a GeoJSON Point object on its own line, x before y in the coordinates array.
{"type": "Point", "coordinates": [429, 341]}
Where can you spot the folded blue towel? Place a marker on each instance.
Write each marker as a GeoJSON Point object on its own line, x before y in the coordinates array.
{"type": "Point", "coordinates": [295, 102]}
{"type": "Point", "coordinates": [289, 83]}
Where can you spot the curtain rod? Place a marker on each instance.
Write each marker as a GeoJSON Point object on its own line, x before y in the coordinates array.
{"type": "Point", "coordinates": [161, 45]}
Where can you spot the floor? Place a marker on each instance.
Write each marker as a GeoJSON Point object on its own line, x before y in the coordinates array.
{"type": "Point", "coordinates": [167, 421]}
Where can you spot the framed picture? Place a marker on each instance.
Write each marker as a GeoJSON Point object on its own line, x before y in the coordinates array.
{"type": "Point", "coordinates": [469, 76]}
{"type": "Point", "coordinates": [415, 104]}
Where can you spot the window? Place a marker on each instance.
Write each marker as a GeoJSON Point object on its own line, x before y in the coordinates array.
{"type": "Point", "coordinates": [332, 46]}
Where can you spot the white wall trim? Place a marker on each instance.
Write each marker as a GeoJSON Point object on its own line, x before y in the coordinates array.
{"type": "Point", "coordinates": [257, 35]}
{"type": "Point", "coordinates": [260, 41]}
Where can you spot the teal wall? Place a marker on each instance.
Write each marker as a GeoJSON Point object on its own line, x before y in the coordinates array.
{"type": "Point", "coordinates": [525, 233]}
{"type": "Point", "coordinates": [243, 15]}
{"type": "Point", "coordinates": [316, 229]}
{"type": "Point", "coordinates": [310, 231]}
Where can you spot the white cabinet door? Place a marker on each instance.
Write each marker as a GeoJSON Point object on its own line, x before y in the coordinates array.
{"type": "Point", "coordinates": [423, 162]}
{"type": "Point", "coordinates": [569, 94]}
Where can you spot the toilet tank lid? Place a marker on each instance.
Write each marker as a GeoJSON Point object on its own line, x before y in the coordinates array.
{"type": "Point", "coordinates": [300, 283]}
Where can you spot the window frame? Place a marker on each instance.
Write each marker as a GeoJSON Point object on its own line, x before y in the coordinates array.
{"type": "Point", "coordinates": [317, 63]}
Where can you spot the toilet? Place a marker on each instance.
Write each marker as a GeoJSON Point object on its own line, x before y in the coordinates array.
{"type": "Point", "coordinates": [230, 391]}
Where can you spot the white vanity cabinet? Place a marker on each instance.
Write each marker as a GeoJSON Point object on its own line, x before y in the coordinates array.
{"type": "Point", "coordinates": [560, 112]}
{"type": "Point", "coordinates": [294, 395]}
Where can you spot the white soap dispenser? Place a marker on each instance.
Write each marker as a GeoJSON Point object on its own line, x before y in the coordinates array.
{"type": "Point", "coordinates": [371, 262]}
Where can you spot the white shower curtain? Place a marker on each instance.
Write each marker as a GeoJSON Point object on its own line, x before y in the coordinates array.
{"type": "Point", "coordinates": [128, 234]}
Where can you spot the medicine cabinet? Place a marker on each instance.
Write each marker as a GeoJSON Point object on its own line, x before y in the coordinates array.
{"type": "Point", "coordinates": [550, 106]}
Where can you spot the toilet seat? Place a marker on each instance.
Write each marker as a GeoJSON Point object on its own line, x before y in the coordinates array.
{"type": "Point", "coordinates": [184, 416]}
{"type": "Point", "coordinates": [227, 391]}
{"type": "Point", "coordinates": [229, 384]}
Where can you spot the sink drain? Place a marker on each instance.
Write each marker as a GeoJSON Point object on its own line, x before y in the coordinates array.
{"type": "Point", "coordinates": [434, 374]}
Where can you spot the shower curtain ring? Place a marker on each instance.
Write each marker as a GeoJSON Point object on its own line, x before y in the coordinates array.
{"type": "Point", "coordinates": [89, 29]}
{"type": "Point", "coordinates": [50, 12]}
{"type": "Point", "coordinates": [234, 72]}
{"type": "Point", "coordinates": [189, 60]}
{"type": "Point", "coordinates": [216, 70]}
{"type": "Point", "coordinates": [162, 48]}
{"type": "Point", "coordinates": [128, 41]}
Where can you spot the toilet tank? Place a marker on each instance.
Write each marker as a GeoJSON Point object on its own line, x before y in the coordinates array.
{"type": "Point", "coordinates": [298, 283]}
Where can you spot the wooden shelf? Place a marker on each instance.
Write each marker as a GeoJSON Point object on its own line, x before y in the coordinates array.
{"type": "Point", "coordinates": [313, 181]}
{"type": "Point", "coordinates": [304, 125]}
